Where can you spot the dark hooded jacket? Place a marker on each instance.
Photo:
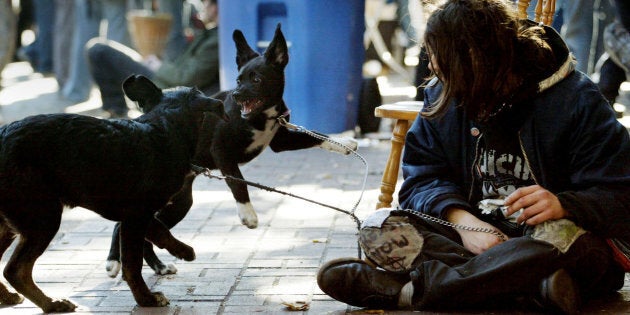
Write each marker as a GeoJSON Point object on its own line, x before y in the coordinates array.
{"type": "Point", "coordinates": [568, 133]}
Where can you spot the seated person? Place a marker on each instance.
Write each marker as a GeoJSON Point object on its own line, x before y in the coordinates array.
{"type": "Point", "coordinates": [522, 155]}
{"type": "Point", "coordinates": [111, 63]}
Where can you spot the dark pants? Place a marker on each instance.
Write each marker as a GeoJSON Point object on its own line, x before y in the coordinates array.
{"type": "Point", "coordinates": [110, 66]}
{"type": "Point", "coordinates": [611, 77]}
{"type": "Point", "coordinates": [611, 74]}
{"type": "Point", "coordinates": [449, 276]}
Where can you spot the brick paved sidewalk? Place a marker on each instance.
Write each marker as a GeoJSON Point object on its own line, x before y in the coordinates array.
{"type": "Point", "coordinates": [237, 270]}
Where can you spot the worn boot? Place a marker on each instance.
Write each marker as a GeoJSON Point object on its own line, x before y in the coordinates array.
{"type": "Point", "coordinates": [559, 293]}
{"type": "Point", "coordinates": [355, 282]}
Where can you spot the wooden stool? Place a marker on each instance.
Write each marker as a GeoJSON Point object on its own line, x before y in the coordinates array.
{"type": "Point", "coordinates": [404, 113]}
{"type": "Point", "coordinates": [544, 11]}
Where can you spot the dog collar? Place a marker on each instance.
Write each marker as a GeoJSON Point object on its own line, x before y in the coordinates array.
{"type": "Point", "coordinates": [282, 119]}
{"type": "Point", "coordinates": [197, 169]}
{"type": "Point", "coordinates": [283, 115]}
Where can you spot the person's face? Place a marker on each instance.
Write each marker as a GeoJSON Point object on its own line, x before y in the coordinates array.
{"type": "Point", "coordinates": [433, 66]}
{"type": "Point", "coordinates": [211, 11]}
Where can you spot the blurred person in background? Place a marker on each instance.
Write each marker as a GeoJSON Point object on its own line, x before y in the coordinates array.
{"type": "Point", "coordinates": [110, 63]}
{"type": "Point", "coordinates": [86, 24]}
{"type": "Point", "coordinates": [615, 66]}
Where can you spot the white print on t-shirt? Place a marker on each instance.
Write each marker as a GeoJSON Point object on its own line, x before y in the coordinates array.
{"type": "Point", "coordinates": [502, 173]}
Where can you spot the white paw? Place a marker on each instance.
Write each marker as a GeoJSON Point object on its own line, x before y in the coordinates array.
{"type": "Point", "coordinates": [343, 145]}
{"type": "Point", "coordinates": [169, 269]}
{"type": "Point", "coordinates": [112, 267]}
{"type": "Point", "coordinates": [247, 215]}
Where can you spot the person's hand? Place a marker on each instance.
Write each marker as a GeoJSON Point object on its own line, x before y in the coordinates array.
{"type": "Point", "coordinates": [538, 204]}
{"type": "Point", "coordinates": [476, 242]}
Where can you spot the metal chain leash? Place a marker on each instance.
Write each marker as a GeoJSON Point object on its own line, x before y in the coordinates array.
{"type": "Point", "coordinates": [455, 225]}
{"type": "Point", "coordinates": [498, 234]}
{"type": "Point", "coordinates": [207, 172]}
{"type": "Point", "coordinates": [283, 122]}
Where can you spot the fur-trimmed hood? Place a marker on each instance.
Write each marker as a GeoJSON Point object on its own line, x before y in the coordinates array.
{"type": "Point", "coordinates": [520, 105]}
{"type": "Point", "coordinates": [565, 60]}
{"type": "Point", "coordinates": [563, 65]}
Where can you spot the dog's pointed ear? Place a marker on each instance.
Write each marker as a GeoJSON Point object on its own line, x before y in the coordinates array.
{"type": "Point", "coordinates": [244, 53]}
{"type": "Point", "coordinates": [277, 53]}
{"type": "Point", "coordinates": [140, 89]}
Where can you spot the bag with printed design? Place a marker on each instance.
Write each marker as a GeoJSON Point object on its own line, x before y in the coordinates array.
{"type": "Point", "coordinates": [390, 241]}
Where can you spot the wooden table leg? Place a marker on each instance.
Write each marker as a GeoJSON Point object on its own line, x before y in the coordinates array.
{"type": "Point", "coordinates": [522, 8]}
{"type": "Point", "coordinates": [390, 175]}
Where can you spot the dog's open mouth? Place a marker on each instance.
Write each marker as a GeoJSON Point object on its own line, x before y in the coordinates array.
{"type": "Point", "coordinates": [250, 106]}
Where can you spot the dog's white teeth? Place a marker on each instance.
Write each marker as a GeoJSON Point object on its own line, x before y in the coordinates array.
{"type": "Point", "coordinates": [250, 106]}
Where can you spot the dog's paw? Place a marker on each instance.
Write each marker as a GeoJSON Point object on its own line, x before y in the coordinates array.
{"type": "Point", "coordinates": [183, 251]}
{"type": "Point", "coordinates": [160, 299]}
{"type": "Point", "coordinates": [169, 269]}
{"type": "Point", "coordinates": [59, 306]}
{"type": "Point", "coordinates": [11, 298]}
{"type": "Point", "coordinates": [156, 299]}
{"type": "Point", "coordinates": [247, 214]}
{"type": "Point", "coordinates": [113, 268]}
{"type": "Point", "coordinates": [343, 145]}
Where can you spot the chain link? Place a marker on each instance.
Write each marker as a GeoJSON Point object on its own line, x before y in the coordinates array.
{"type": "Point", "coordinates": [283, 122]}
{"type": "Point", "coordinates": [455, 225]}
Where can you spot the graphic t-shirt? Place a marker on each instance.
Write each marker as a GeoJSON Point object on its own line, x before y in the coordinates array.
{"type": "Point", "coordinates": [502, 169]}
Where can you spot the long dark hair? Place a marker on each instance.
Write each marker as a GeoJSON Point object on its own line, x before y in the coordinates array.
{"type": "Point", "coordinates": [483, 53]}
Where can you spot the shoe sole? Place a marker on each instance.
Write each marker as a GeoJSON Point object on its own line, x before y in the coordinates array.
{"type": "Point", "coordinates": [370, 301]}
{"type": "Point", "coordinates": [336, 262]}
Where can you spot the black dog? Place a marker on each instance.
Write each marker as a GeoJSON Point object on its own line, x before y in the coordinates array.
{"type": "Point", "coordinates": [254, 108]}
{"type": "Point", "coordinates": [124, 170]}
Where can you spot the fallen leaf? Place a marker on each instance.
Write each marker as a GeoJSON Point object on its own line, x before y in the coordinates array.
{"type": "Point", "coordinates": [296, 306]}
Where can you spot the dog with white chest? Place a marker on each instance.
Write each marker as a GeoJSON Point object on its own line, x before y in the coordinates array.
{"type": "Point", "coordinates": [255, 109]}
